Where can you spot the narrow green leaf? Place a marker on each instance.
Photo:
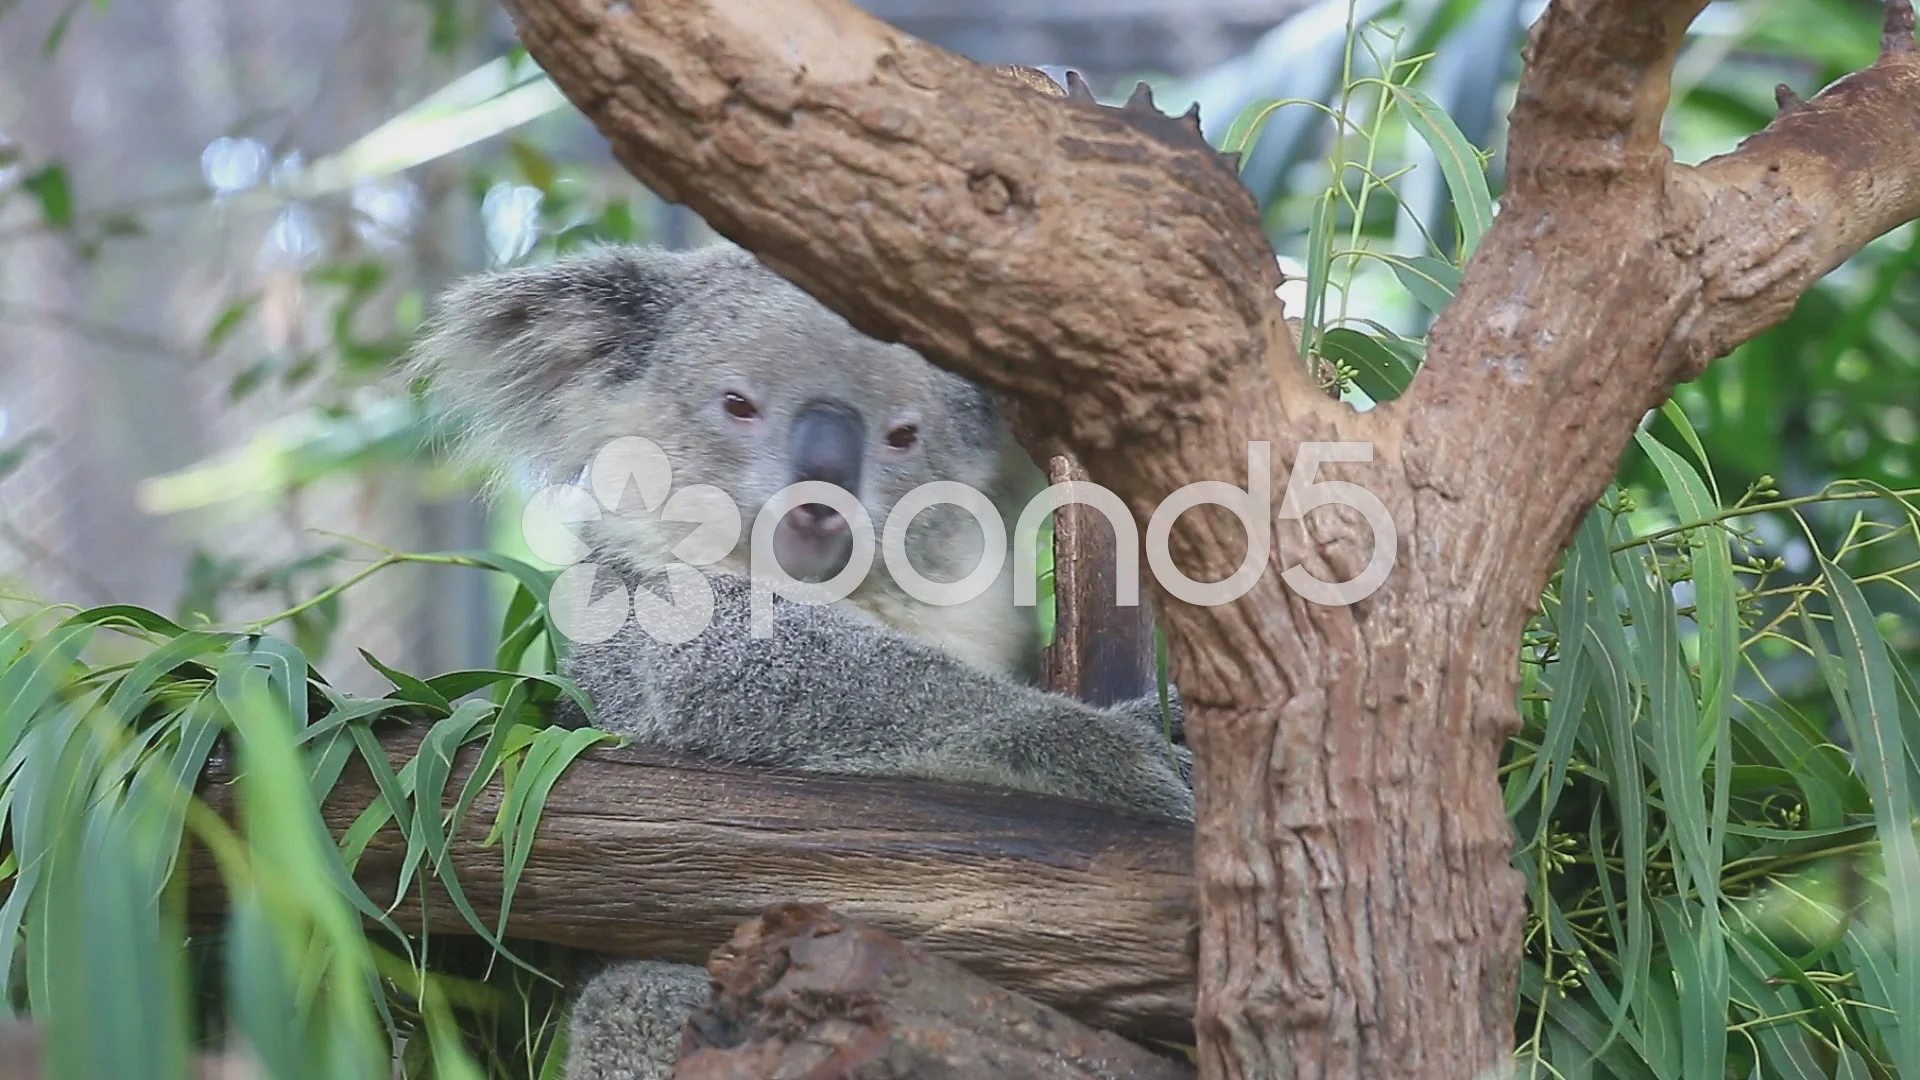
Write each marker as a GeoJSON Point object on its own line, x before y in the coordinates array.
{"type": "Point", "coordinates": [230, 320]}
{"type": "Point", "coordinates": [488, 763]}
{"type": "Point", "coordinates": [39, 799]}
{"type": "Point", "coordinates": [173, 782]}
{"type": "Point", "coordinates": [30, 682]}
{"type": "Point", "coordinates": [1574, 1017]}
{"type": "Point", "coordinates": [290, 674]}
{"type": "Point", "coordinates": [257, 982]}
{"type": "Point", "coordinates": [1378, 371]}
{"type": "Point", "coordinates": [433, 766]}
{"type": "Point", "coordinates": [1873, 723]}
{"type": "Point", "coordinates": [343, 712]}
{"type": "Point", "coordinates": [458, 684]}
{"type": "Point", "coordinates": [1785, 1043]}
{"type": "Point", "coordinates": [234, 685]}
{"type": "Point", "coordinates": [394, 801]}
{"type": "Point", "coordinates": [1246, 127]}
{"type": "Point", "coordinates": [1626, 786]}
{"type": "Point", "coordinates": [1568, 682]}
{"type": "Point", "coordinates": [117, 615]}
{"type": "Point", "coordinates": [534, 783]}
{"type": "Point", "coordinates": [1909, 707]}
{"type": "Point", "coordinates": [132, 982]}
{"type": "Point", "coordinates": [408, 688]}
{"type": "Point", "coordinates": [1678, 418]}
{"type": "Point", "coordinates": [49, 185]}
{"type": "Point", "coordinates": [1616, 1006]}
{"type": "Point", "coordinates": [1459, 164]}
{"type": "Point", "coordinates": [326, 760]}
{"type": "Point", "coordinates": [1716, 592]}
{"type": "Point", "coordinates": [536, 581]}
{"type": "Point", "coordinates": [288, 843]}
{"type": "Point", "coordinates": [1319, 269]}
{"type": "Point", "coordinates": [1657, 1008]}
{"type": "Point", "coordinates": [139, 686]}
{"type": "Point", "coordinates": [1695, 944]}
{"type": "Point", "coordinates": [1674, 724]}
{"type": "Point", "coordinates": [58, 31]}
{"type": "Point", "coordinates": [1879, 980]}
{"type": "Point", "coordinates": [1820, 772]}
{"type": "Point", "coordinates": [1431, 282]}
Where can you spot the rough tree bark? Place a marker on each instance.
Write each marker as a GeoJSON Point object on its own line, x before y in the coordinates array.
{"type": "Point", "coordinates": [801, 991]}
{"type": "Point", "coordinates": [1106, 272]}
{"type": "Point", "coordinates": [1102, 651]}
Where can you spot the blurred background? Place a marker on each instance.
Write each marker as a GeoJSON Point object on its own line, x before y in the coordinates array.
{"type": "Point", "coordinates": [220, 220]}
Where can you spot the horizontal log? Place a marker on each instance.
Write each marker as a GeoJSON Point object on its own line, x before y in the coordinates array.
{"type": "Point", "coordinates": [640, 855]}
{"type": "Point", "coordinates": [801, 991]}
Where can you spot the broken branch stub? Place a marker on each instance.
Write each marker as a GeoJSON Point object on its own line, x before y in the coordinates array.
{"type": "Point", "coordinates": [800, 991]}
{"type": "Point", "coordinates": [1102, 650]}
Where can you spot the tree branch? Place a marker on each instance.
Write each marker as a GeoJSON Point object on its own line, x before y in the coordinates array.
{"type": "Point", "coordinates": [642, 856]}
{"type": "Point", "coordinates": [1611, 274]}
{"type": "Point", "coordinates": [1806, 193]}
{"type": "Point", "coordinates": [1104, 249]}
{"type": "Point", "coordinates": [1595, 88]}
{"type": "Point", "coordinates": [1102, 268]}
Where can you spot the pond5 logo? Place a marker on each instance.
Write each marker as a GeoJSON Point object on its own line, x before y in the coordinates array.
{"type": "Point", "coordinates": [633, 469]}
{"type": "Point", "coordinates": [628, 470]}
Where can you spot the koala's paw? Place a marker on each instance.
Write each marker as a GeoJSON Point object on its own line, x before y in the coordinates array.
{"type": "Point", "coordinates": [627, 1021]}
{"type": "Point", "coordinates": [1170, 723]}
{"type": "Point", "coordinates": [1160, 777]}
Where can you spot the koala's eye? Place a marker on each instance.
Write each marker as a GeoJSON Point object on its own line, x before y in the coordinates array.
{"type": "Point", "coordinates": [903, 436]}
{"type": "Point", "coordinates": [738, 406]}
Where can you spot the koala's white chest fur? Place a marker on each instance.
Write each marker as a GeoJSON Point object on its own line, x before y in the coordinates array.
{"type": "Point", "coordinates": [988, 632]}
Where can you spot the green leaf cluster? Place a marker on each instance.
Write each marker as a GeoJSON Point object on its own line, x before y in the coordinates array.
{"type": "Point", "coordinates": [110, 717]}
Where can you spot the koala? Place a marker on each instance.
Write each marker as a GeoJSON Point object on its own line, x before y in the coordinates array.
{"type": "Point", "coordinates": [748, 385]}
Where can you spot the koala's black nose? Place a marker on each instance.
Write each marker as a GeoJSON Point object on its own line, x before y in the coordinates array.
{"type": "Point", "coordinates": [828, 443]}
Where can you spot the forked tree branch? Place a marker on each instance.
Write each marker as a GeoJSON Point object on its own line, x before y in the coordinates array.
{"type": "Point", "coordinates": [1612, 274]}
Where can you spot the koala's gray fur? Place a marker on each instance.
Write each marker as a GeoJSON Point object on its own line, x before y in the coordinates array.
{"type": "Point", "coordinates": [549, 363]}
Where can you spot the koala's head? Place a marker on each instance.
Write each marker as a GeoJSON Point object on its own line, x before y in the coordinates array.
{"type": "Point", "coordinates": [745, 381]}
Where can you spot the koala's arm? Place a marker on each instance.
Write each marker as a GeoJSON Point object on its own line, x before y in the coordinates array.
{"type": "Point", "coordinates": [831, 691]}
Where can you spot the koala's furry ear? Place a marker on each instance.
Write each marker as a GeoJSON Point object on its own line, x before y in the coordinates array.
{"type": "Point", "coordinates": [519, 358]}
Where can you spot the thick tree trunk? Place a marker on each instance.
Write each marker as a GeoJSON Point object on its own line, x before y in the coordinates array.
{"type": "Point", "coordinates": [800, 991]}
{"type": "Point", "coordinates": [1105, 272]}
